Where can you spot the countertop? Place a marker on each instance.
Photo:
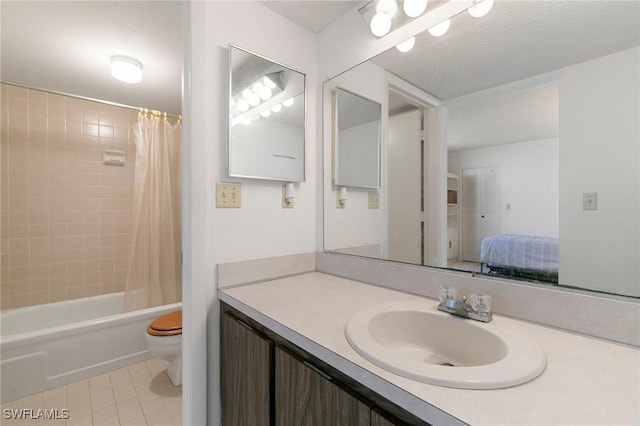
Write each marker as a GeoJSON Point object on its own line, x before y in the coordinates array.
{"type": "Point", "coordinates": [586, 381]}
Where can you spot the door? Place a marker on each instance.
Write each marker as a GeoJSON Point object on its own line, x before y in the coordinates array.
{"type": "Point", "coordinates": [404, 188]}
{"type": "Point", "coordinates": [480, 209]}
{"type": "Point", "coordinates": [245, 374]}
{"type": "Point", "coordinates": [307, 397]}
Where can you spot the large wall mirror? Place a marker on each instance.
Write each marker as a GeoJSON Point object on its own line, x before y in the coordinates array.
{"type": "Point", "coordinates": [266, 118]}
{"type": "Point", "coordinates": [526, 132]}
{"type": "Point", "coordinates": [356, 140]}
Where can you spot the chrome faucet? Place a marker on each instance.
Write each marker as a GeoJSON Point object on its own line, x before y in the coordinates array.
{"type": "Point", "coordinates": [479, 309]}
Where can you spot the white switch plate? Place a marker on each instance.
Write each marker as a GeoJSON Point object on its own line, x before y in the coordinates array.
{"type": "Point", "coordinates": [374, 200]}
{"type": "Point", "coordinates": [228, 195]}
{"type": "Point", "coordinates": [590, 201]}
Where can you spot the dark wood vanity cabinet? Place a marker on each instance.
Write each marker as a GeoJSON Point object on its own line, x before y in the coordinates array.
{"type": "Point", "coordinates": [306, 396]}
{"type": "Point", "coordinates": [246, 359]}
{"type": "Point", "coordinates": [267, 381]}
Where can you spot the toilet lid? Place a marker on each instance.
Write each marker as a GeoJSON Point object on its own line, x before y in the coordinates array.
{"type": "Point", "coordinates": [166, 325]}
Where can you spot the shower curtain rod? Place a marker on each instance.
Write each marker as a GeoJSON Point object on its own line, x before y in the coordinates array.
{"type": "Point", "coordinates": [86, 98]}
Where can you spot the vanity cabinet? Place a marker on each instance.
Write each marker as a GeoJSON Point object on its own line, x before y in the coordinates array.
{"type": "Point", "coordinates": [307, 396]}
{"type": "Point", "coordinates": [266, 380]}
{"type": "Point", "coordinates": [246, 359]}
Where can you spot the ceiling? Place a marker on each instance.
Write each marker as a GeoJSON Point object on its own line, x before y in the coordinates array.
{"type": "Point", "coordinates": [66, 46]}
{"type": "Point", "coordinates": [74, 40]}
{"type": "Point", "coordinates": [312, 14]}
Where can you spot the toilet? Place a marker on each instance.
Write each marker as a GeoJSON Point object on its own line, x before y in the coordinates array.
{"type": "Point", "coordinates": [164, 340]}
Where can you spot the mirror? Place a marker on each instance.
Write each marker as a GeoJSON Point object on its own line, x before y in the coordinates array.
{"type": "Point", "coordinates": [524, 122]}
{"type": "Point", "coordinates": [356, 140]}
{"type": "Point", "coordinates": [266, 118]}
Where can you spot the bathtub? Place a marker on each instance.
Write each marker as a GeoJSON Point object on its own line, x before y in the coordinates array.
{"type": "Point", "coordinates": [46, 346]}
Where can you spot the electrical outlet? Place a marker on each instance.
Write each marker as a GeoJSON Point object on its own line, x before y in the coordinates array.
{"type": "Point", "coordinates": [374, 200]}
{"type": "Point", "coordinates": [286, 204]}
{"type": "Point", "coordinates": [590, 201]}
{"type": "Point", "coordinates": [228, 195]}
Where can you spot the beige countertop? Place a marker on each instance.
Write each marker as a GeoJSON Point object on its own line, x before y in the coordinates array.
{"type": "Point", "coordinates": [586, 381]}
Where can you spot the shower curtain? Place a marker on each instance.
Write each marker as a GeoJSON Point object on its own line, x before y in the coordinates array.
{"type": "Point", "coordinates": [154, 276]}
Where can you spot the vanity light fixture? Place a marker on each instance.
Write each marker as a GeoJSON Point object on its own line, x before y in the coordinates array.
{"type": "Point", "coordinates": [259, 91]}
{"type": "Point", "coordinates": [414, 8]}
{"type": "Point", "coordinates": [378, 14]}
{"type": "Point", "coordinates": [441, 28]}
{"type": "Point", "coordinates": [126, 69]}
{"type": "Point", "coordinates": [406, 45]}
{"type": "Point", "coordinates": [481, 8]}
{"type": "Point", "coordinates": [387, 6]}
{"type": "Point", "coordinates": [380, 24]}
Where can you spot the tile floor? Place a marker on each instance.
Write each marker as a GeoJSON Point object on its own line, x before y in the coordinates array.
{"type": "Point", "coordinates": [139, 395]}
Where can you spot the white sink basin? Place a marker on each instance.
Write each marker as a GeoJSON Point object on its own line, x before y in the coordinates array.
{"type": "Point", "coordinates": [415, 340]}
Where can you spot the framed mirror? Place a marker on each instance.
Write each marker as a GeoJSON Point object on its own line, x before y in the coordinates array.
{"type": "Point", "coordinates": [266, 118]}
{"type": "Point", "coordinates": [356, 140]}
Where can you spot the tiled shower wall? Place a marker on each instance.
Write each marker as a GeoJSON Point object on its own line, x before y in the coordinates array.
{"type": "Point", "coordinates": [64, 214]}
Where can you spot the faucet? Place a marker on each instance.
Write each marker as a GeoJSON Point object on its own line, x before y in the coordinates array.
{"type": "Point", "coordinates": [479, 309]}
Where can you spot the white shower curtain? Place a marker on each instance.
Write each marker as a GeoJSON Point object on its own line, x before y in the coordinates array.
{"type": "Point", "coordinates": [154, 276]}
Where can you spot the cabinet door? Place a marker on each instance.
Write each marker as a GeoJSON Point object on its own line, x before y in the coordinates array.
{"type": "Point", "coordinates": [245, 371]}
{"type": "Point", "coordinates": [378, 418]}
{"type": "Point", "coordinates": [305, 397]}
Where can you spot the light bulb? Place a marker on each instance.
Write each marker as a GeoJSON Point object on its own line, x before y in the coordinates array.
{"type": "Point", "coordinates": [253, 99]}
{"type": "Point", "coordinates": [246, 94]}
{"type": "Point", "coordinates": [440, 29]}
{"type": "Point", "coordinates": [288, 102]}
{"type": "Point", "coordinates": [413, 8]}
{"type": "Point", "coordinates": [387, 6]}
{"type": "Point", "coordinates": [266, 113]}
{"type": "Point", "coordinates": [264, 93]}
{"type": "Point", "coordinates": [243, 105]}
{"type": "Point", "coordinates": [276, 108]}
{"type": "Point", "coordinates": [481, 8]}
{"type": "Point", "coordinates": [256, 88]}
{"type": "Point", "coordinates": [406, 45]}
{"type": "Point", "coordinates": [268, 82]}
{"type": "Point", "coordinates": [380, 24]}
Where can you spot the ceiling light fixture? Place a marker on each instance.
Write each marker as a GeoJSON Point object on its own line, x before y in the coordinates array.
{"type": "Point", "coordinates": [441, 28]}
{"type": "Point", "coordinates": [406, 45]}
{"type": "Point", "coordinates": [481, 8]}
{"type": "Point", "coordinates": [126, 69]}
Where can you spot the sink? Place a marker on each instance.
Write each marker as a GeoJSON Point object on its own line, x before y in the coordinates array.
{"type": "Point", "coordinates": [415, 340]}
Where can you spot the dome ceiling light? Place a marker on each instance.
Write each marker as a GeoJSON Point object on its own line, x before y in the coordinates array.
{"type": "Point", "coordinates": [126, 69]}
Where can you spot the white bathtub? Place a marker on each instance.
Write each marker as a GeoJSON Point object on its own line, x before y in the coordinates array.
{"type": "Point", "coordinates": [46, 346]}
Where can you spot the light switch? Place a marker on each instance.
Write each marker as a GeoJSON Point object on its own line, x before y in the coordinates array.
{"type": "Point", "coordinates": [374, 200]}
{"type": "Point", "coordinates": [590, 201]}
{"type": "Point", "coordinates": [227, 195]}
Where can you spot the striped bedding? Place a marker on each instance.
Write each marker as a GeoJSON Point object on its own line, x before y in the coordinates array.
{"type": "Point", "coordinates": [520, 251]}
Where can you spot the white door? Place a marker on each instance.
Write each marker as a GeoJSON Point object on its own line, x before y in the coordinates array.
{"type": "Point", "coordinates": [480, 209]}
{"type": "Point", "coordinates": [404, 210]}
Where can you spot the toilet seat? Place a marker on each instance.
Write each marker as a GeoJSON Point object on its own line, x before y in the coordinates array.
{"type": "Point", "coordinates": [166, 325]}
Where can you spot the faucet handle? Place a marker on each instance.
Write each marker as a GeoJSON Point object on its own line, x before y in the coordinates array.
{"type": "Point", "coordinates": [481, 303]}
{"type": "Point", "coordinates": [448, 293]}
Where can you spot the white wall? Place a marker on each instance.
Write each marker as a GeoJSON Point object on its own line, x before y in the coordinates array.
{"type": "Point", "coordinates": [599, 152]}
{"type": "Point", "coordinates": [529, 183]}
{"type": "Point", "coordinates": [356, 225]}
{"type": "Point", "coordinates": [261, 228]}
